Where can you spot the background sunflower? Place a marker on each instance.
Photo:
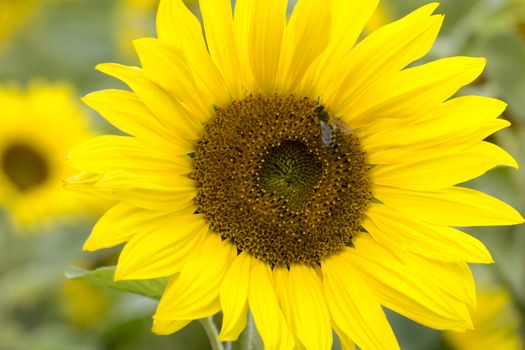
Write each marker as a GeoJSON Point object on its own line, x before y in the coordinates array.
{"type": "Point", "coordinates": [63, 40]}
{"type": "Point", "coordinates": [39, 125]}
{"type": "Point", "coordinates": [497, 324]}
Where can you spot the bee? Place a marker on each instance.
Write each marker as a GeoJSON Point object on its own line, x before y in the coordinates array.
{"type": "Point", "coordinates": [329, 125]}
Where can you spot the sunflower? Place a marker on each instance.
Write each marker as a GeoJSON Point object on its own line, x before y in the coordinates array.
{"type": "Point", "coordinates": [496, 325]}
{"type": "Point", "coordinates": [279, 166]}
{"type": "Point", "coordinates": [38, 128]}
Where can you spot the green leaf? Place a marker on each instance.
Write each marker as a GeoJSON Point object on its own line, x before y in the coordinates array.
{"type": "Point", "coordinates": [104, 276]}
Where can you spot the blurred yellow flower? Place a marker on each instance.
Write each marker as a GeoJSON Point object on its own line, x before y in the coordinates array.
{"type": "Point", "coordinates": [496, 325]}
{"type": "Point", "coordinates": [13, 13]}
{"type": "Point", "coordinates": [83, 304]}
{"type": "Point", "coordinates": [37, 129]}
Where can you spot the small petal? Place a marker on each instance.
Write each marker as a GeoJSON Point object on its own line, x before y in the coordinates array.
{"type": "Point", "coordinates": [161, 327]}
{"type": "Point", "coordinates": [220, 38]}
{"type": "Point", "coordinates": [267, 314]}
{"type": "Point", "coordinates": [234, 298]}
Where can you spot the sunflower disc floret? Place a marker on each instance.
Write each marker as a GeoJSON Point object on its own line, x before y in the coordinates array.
{"type": "Point", "coordinates": [268, 183]}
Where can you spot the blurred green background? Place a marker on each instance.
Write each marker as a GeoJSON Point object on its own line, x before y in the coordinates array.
{"type": "Point", "coordinates": [62, 40]}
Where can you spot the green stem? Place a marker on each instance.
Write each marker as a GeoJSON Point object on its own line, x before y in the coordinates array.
{"type": "Point", "coordinates": [246, 341]}
{"type": "Point", "coordinates": [211, 330]}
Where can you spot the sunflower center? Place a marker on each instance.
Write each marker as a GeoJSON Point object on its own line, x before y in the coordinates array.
{"type": "Point", "coordinates": [24, 167]}
{"type": "Point", "coordinates": [291, 172]}
{"type": "Point", "coordinates": [271, 183]}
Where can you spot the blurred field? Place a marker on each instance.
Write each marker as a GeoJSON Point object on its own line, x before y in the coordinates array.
{"type": "Point", "coordinates": [62, 40]}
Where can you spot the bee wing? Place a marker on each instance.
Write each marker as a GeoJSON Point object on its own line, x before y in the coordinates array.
{"type": "Point", "coordinates": [338, 125]}
{"type": "Point", "coordinates": [326, 133]}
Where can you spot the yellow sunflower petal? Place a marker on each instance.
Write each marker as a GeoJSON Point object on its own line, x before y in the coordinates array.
{"type": "Point", "coordinates": [126, 112]}
{"type": "Point", "coordinates": [165, 108]}
{"type": "Point", "coordinates": [85, 183]}
{"type": "Point", "coordinates": [454, 278]}
{"type": "Point", "coordinates": [242, 30]}
{"type": "Point", "coordinates": [485, 130]}
{"type": "Point", "coordinates": [163, 250]}
{"type": "Point", "coordinates": [414, 90]}
{"type": "Point", "coordinates": [449, 145]}
{"type": "Point", "coordinates": [264, 305]}
{"type": "Point", "coordinates": [444, 123]}
{"type": "Point", "coordinates": [220, 38]}
{"type": "Point", "coordinates": [179, 27]}
{"type": "Point", "coordinates": [280, 279]}
{"type": "Point", "coordinates": [176, 24]}
{"type": "Point", "coordinates": [118, 225]}
{"type": "Point", "coordinates": [381, 54]}
{"type": "Point", "coordinates": [354, 308]}
{"type": "Point", "coordinates": [259, 27]}
{"type": "Point", "coordinates": [444, 170]}
{"type": "Point", "coordinates": [455, 206]}
{"type": "Point", "coordinates": [167, 67]}
{"type": "Point", "coordinates": [303, 41]}
{"type": "Point", "coordinates": [403, 289]}
{"type": "Point", "coordinates": [344, 33]}
{"type": "Point", "coordinates": [195, 293]}
{"type": "Point", "coordinates": [436, 242]}
{"type": "Point", "coordinates": [155, 191]}
{"type": "Point", "coordinates": [234, 298]}
{"type": "Point", "coordinates": [162, 327]}
{"type": "Point", "coordinates": [168, 327]}
{"type": "Point", "coordinates": [304, 301]}
{"type": "Point", "coordinates": [110, 152]}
